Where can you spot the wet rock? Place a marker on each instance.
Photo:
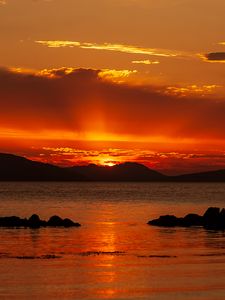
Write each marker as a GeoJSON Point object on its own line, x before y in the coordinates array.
{"type": "Point", "coordinates": [35, 222]}
{"type": "Point", "coordinates": [12, 222]}
{"type": "Point", "coordinates": [222, 218]}
{"type": "Point", "coordinates": [69, 223]}
{"type": "Point", "coordinates": [56, 221]}
{"type": "Point", "coordinates": [167, 221]}
{"type": "Point", "coordinates": [192, 220]}
{"type": "Point", "coordinates": [213, 218]}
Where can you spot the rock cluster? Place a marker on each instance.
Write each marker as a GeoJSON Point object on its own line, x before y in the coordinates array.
{"type": "Point", "coordinates": [35, 222]}
{"type": "Point", "coordinates": [213, 218]}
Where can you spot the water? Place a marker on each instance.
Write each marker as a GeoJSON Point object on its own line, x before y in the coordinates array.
{"type": "Point", "coordinates": [114, 255]}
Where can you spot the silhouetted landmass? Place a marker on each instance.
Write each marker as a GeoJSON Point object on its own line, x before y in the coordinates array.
{"type": "Point", "coordinates": [210, 176]}
{"type": "Point", "coordinates": [213, 218]}
{"type": "Point", "coordinates": [128, 171]}
{"type": "Point", "coordinates": [35, 222]}
{"type": "Point", "coordinates": [16, 168]}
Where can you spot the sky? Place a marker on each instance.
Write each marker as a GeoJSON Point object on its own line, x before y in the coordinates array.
{"type": "Point", "coordinates": [109, 81]}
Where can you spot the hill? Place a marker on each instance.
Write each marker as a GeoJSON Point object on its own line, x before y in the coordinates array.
{"type": "Point", "coordinates": [17, 168]}
{"type": "Point", "coordinates": [127, 171]}
{"type": "Point", "coordinates": [210, 176]}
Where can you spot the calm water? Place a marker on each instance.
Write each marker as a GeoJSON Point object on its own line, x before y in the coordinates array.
{"type": "Point", "coordinates": [114, 255]}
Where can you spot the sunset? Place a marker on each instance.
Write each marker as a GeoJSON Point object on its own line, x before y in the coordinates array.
{"type": "Point", "coordinates": [85, 82]}
{"type": "Point", "coordinates": [112, 114]}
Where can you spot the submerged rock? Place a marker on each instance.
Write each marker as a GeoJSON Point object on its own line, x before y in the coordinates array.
{"type": "Point", "coordinates": [35, 222]}
{"type": "Point", "coordinates": [213, 218]}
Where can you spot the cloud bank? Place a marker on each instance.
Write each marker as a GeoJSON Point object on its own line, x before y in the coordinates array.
{"type": "Point", "coordinates": [83, 101]}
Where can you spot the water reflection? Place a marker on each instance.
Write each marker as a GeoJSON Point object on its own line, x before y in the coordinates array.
{"type": "Point", "coordinates": [114, 255]}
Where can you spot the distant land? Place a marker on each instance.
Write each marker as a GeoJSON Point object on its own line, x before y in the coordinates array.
{"type": "Point", "coordinates": [17, 168]}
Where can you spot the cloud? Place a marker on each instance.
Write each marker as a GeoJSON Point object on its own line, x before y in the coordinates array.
{"type": "Point", "coordinates": [185, 91]}
{"type": "Point", "coordinates": [111, 47]}
{"type": "Point", "coordinates": [214, 57]}
{"type": "Point", "coordinates": [70, 103]}
{"type": "Point", "coordinates": [146, 62]}
{"type": "Point", "coordinates": [164, 161]}
{"type": "Point", "coordinates": [110, 74]}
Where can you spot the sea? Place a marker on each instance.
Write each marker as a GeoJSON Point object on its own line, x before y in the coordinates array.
{"type": "Point", "coordinates": [114, 254]}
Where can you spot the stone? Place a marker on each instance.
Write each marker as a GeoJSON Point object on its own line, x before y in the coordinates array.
{"type": "Point", "coordinates": [192, 220]}
{"type": "Point", "coordinates": [211, 218]}
{"type": "Point", "coordinates": [35, 222]}
{"type": "Point", "coordinates": [167, 220]}
{"type": "Point", "coordinates": [55, 221]}
{"type": "Point", "coordinates": [69, 223]}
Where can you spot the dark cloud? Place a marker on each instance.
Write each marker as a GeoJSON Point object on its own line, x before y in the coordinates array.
{"type": "Point", "coordinates": [215, 56]}
{"type": "Point", "coordinates": [80, 100]}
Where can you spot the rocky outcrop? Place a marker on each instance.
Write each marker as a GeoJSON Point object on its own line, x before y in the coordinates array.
{"type": "Point", "coordinates": [35, 222]}
{"type": "Point", "coordinates": [213, 218]}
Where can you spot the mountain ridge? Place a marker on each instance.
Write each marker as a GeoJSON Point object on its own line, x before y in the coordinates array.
{"type": "Point", "coordinates": [18, 168]}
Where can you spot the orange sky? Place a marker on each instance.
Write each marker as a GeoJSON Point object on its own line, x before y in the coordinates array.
{"type": "Point", "coordinates": [113, 81]}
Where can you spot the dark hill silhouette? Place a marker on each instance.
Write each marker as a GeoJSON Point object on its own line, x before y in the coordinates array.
{"type": "Point", "coordinates": [210, 176]}
{"type": "Point", "coordinates": [16, 168]}
{"type": "Point", "coordinates": [127, 171]}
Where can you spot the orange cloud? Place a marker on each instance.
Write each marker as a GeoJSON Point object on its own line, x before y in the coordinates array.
{"type": "Point", "coordinates": [146, 62]}
{"type": "Point", "coordinates": [192, 90]}
{"type": "Point", "coordinates": [111, 47]}
{"type": "Point", "coordinates": [85, 104]}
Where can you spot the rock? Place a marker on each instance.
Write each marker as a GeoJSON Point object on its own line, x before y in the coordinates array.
{"type": "Point", "coordinates": [69, 223]}
{"type": "Point", "coordinates": [211, 218]}
{"type": "Point", "coordinates": [55, 221]}
{"type": "Point", "coordinates": [35, 222]}
{"type": "Point", "coordinates": [192, 220]}
{"type": "Point", "coordinates": [12, 222]}
{"type": "Point", "coordinates": [222, 219]}
{"type": "Point", "coordinates": [167, 220]}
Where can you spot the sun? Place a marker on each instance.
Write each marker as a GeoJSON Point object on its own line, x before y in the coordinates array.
{"type": "Point", "coordinates": [107, 163]}
{"type": "Point", "coordinates": [110, 164]}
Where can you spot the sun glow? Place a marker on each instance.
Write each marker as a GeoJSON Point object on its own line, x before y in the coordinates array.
{"type": "Point", "coordinates": [110, 164]}
{"type": "Point", "coordinates": [107, 163]}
